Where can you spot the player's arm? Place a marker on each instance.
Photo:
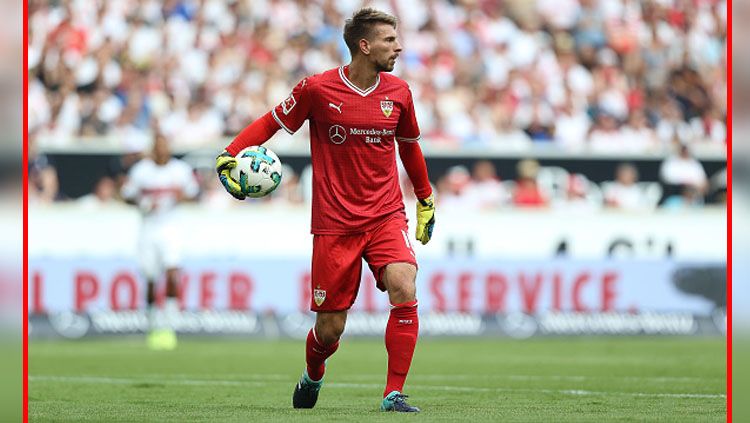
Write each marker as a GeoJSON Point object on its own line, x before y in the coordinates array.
{"type": "Point", "coordinates": [416, 168]}
{"type": "Point", "coordinates": [258, 132]}
{"type": "Point", "coordinates": [407, 135]}
{"type": "Point", "coordinates": [130, 189]}
{"type": "Point", "coordinates": [190, 189]}
{"type": "Point", "coordinates": [290, 115]}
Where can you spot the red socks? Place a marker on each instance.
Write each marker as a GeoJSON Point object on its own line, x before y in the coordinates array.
{"type": "Point", "coordinates": [400, 340]}
{"type": "Point", "coordinates": [316, 355]}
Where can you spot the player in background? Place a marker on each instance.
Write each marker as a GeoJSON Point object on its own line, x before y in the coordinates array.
{"type": "Point", "coordinates": [357, 114]}
{"type": "Point", "coordinates": [157, 184]}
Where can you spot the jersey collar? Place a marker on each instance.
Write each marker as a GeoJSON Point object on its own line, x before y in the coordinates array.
{"type": "Point", "coordinates": [356, 89]}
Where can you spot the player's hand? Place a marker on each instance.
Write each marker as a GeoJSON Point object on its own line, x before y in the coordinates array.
{"type": "Point", "coordinates": [425, 218]}
{"type": "Point", "coordinates": [225, 162]}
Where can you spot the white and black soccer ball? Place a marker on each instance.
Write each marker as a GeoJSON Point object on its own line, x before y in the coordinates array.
{"type": "Point", "coordinates": [258, 171]}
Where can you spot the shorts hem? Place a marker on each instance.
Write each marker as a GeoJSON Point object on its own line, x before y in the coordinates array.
{"type": "Point", "coordinates": [331, 310]}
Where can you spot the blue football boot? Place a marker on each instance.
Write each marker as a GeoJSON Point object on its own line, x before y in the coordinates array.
{"type": "Point", "coordinates": [396, 401]}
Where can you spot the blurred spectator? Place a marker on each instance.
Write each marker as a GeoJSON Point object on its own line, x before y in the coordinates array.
{"type": "Point", "coordinates": [605, 135]}
{"type": "Point", "coordinates": [43, 182]}
{"type": "Point", "coordinates": [580, 195]}
{"type": "Point", "coordinates": [624, 192]}
{"type": "Point", "coordinates": [572, 126]}
{"type": "Point", "coordinates": [134, 144]}
{"type": "Point", "coordinates": [198, 126]}
{"type": "Point", "coordinates": [289, 192]}
{"type": "Point", "coordinates": [452, 189]}
{"type": "Point", "coordinates": [508, 136]}
{"type": "Point", "coordinates": [672, 126]}
{"type": "Point", "coordinates": [105, 194]}
{"type": "Point", "coordinates": [204, 69]}
{"type": "Point", "coordinates": [710, 127]}
{"type": "Point", "coordinates": [683, 169]}
{"type": "Point", "coordinates": [485, 191]}
{"type": "Point", "coordinates": [637, 135]}
{"type": "Point", "coordinates": [689, 196]}
{"type": "Point", "coordinates": [212, 194]}
{"type": "Point", "coordinates": [717, 193]}
{"type": "Point", "coordinates": [526, 192]}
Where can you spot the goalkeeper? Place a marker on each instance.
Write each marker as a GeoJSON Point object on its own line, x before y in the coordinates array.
{"type": "Point", "coordinates": [357, 114]}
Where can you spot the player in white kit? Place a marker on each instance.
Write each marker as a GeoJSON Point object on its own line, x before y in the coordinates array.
{"type": "Point", "coordinates": [157, 184]}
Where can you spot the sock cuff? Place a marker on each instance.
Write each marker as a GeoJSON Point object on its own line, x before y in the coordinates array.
{"type": "Point", "coordinates": [333, 346]}
{"type": "Point", "coordinates": [405, 305]}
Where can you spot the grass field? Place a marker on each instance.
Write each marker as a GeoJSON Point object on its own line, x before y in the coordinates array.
{"type": "Point", "coordinates": [539, 380]}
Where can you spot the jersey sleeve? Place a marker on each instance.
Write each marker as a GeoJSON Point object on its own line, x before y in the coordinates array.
{"type": "Point", "coordinates": [190, 188]}
{"type": "Point", "coordinates": [291, 113]}
{"type": "Point", "coordinates": [131, 188]}
{"type": "Point", "coordinates": [408, 129]}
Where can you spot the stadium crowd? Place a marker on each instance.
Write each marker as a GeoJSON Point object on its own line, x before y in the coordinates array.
{"type": "Point", "coordinates": [612, 76]}
{"type": "Point", "coordinates": [608, 75]}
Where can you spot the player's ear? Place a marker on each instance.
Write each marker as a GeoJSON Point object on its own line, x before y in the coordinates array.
{"type": "Point", "coordinates": [364, 46]}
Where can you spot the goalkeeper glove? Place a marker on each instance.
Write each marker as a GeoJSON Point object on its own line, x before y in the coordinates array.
{"type": "Point", "coordinates": [225, 162]}
{"type": "Point", "coordinates": [425, 218]}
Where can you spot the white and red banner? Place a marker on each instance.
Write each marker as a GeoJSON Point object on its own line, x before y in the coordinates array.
{"type": "Point", "coordinates": [462, 285]}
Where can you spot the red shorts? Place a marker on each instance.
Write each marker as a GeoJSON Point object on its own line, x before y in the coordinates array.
{"type": "Point", "coordinates": [337, 262]}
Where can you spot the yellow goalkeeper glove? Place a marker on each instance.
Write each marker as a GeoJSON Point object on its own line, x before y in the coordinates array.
{"type": "Point", "coordinates": [425, 218]}
{"type": "Point", "coordinates": [225, 162]}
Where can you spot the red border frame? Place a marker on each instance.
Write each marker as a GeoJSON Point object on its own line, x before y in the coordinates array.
{"type": "Point", "coordinates": [729, 210]}
{"type": "Point", "coordinates": [25, 213]}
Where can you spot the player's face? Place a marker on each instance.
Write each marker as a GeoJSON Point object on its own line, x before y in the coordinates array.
{"type": "Point", "coordinates": [384, 48]}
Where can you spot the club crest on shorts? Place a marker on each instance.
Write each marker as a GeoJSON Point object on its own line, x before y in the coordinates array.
{"type": "Point", "coordinates": [319, 295]}
{"type": "Point", "coordinates": [387, 107]}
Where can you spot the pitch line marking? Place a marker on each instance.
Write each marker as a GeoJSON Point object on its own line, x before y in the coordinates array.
{"type": "Point", "coordinates": [214, 382]}
{"type": "Point", "coordinates": [574, 378]}
{"type": "Point", "coordinates": [441, 377]}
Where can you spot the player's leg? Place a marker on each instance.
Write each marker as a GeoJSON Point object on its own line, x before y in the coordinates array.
{"type": "Point", "coordinates": [167, 260]}
{"type": "Point", "coordinates": [393, 263]}
{"type": "Point", "coordinates": [323, 341]}
{"type": "Point", "coordinates": [401, 332]}
{"type": "Point", "coordinates": [336, 272]}
{"type": "Point", "coordinates": [150, 301]}
{"type": "Point", "coordinates": [171, 304]}
{"type": "Point", "coordinates": [149, 264]}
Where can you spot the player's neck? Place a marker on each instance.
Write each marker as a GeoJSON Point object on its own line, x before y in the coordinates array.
{"type": "Point", "coordinates": [362, 74]}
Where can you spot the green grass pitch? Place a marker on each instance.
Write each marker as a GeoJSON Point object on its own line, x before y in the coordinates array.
{"type": "Point", "coordinates": [538, 380]}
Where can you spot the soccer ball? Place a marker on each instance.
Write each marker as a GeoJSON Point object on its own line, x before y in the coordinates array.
{"type": "Point", "coordinates": [258, 171]}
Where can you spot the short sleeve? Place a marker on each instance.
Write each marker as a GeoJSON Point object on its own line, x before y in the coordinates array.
{"type": "Point", "coordinates": [408, 129]}
{"type": "Point", "coordinates": [190, 189]}
{"type": "Point", "coordinates": [130, 189]}
{"type": "Point", "coordinates": [295, 109]}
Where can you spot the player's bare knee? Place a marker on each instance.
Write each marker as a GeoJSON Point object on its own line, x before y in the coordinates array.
{"type": "Point", "coordinates": [402, 292]}
{"type": "Point", "coordinates": [400, 282]}
{"type": "Point", "coordinates": [329, 327]}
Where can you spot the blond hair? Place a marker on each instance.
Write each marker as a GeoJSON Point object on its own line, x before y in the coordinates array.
{"type": "Point", "coordinates": [360, 26]}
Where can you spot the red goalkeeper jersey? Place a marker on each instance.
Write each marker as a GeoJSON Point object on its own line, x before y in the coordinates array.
{"type": "Point", "coordinates": [352, 142]}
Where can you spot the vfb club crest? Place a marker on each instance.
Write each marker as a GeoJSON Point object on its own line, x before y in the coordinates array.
{"type": "Point", "coordinates": [387, 107]}
{"type": "Point", "coordinates": [319, 295]}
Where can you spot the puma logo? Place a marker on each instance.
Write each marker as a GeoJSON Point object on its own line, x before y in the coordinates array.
{"type": "Point", "coordinates": [333, 106]}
